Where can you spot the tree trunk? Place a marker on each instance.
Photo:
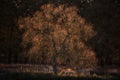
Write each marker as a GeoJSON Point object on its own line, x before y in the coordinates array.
{"type": "Point", "coordinates": [54, 58]}
{"type": "Point", "coordinates": [10, 44]}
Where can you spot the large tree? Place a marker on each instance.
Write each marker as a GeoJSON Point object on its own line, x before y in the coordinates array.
{"type": "Point", "coordinates": [59, 34]}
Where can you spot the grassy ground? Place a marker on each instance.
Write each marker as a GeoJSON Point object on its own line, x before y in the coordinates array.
{"type": "Point", "coordinates": [38, 76]}
{"type": "Point", "coordinates": [107, 73]}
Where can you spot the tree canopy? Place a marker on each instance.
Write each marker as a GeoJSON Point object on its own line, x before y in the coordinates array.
{"type": "Point", "coordinates": [32, 30]}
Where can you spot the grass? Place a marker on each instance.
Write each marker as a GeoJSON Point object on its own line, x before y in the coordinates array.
{"type": "Point", "coordinates": [29, 76]}
{"type": "Point", "coordinates": [38, 76]}
{"type": "Point", "coordinates": [5, 75]}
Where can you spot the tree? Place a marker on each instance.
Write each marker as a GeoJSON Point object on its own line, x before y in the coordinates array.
{"type": "Point", "coordinates": [103, 14]}
{"type": "Point", "coordinates": [64, 32]}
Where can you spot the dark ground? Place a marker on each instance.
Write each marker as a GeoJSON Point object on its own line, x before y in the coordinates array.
{"type": "Point", "coordinates": [38, 76]}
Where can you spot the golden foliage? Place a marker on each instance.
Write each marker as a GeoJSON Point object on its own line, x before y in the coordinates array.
{"type": "Point", "coordinates": [65, 27]}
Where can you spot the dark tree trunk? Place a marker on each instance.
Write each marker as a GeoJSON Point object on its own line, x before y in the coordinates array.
{"type": "Point", "coordinates": [10, 44]}
{"type": "Point", "coordinates": [54, 57]}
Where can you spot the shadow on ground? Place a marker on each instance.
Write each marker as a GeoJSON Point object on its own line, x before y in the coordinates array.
{"type": "Point", "coordinates": [38, 76]}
